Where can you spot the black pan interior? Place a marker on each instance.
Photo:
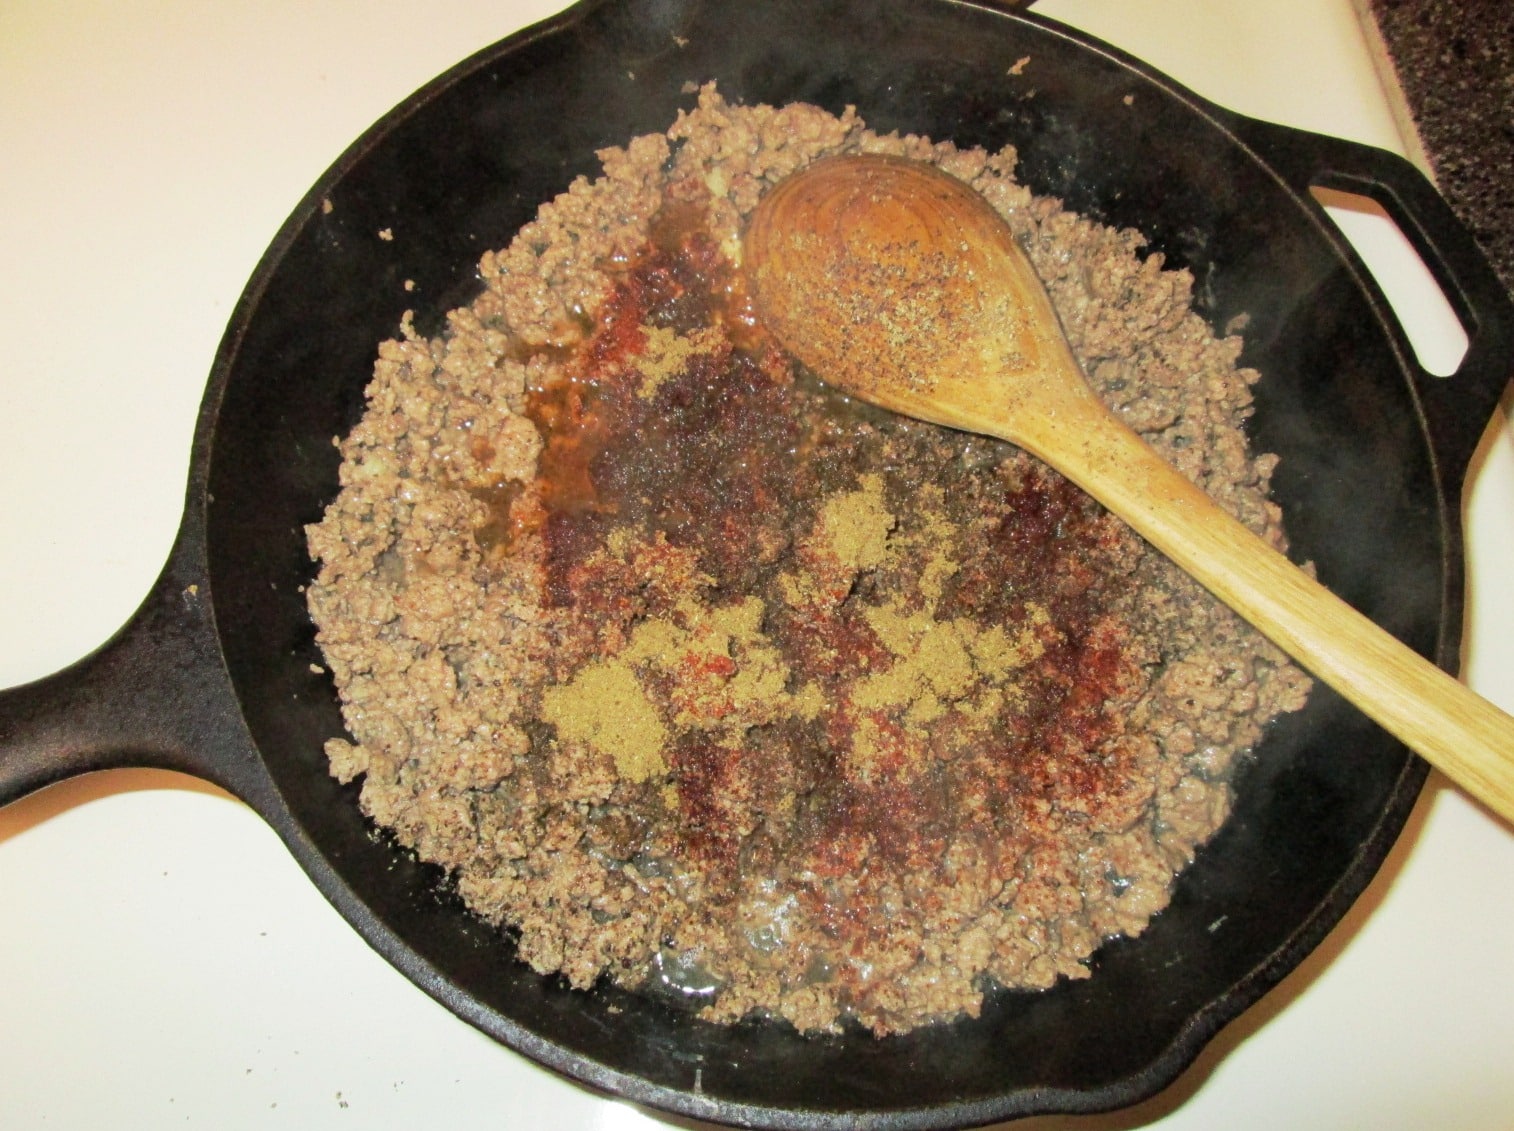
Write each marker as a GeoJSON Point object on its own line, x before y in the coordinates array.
{"type": "Point", "coordinates": [458, 168]}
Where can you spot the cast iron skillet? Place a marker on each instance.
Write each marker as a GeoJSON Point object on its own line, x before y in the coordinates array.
{"type": "Point", "coordinates": [213, 675]}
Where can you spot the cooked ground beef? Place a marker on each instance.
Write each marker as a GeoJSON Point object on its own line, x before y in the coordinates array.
{"type": "Point", "coordinates": [701, 677]}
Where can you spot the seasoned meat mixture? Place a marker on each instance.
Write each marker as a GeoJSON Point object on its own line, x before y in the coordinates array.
{"type": "Point", "coordinates": [699, 677]}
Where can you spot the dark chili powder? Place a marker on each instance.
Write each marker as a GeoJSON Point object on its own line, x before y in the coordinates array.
{"type": "Point", "coordinates": [730, 457]}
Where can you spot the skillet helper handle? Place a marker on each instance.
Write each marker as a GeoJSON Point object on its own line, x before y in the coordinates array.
{"type": "Point", "coordinates": [1443, 720]}
{"type": "Point", "coordinates": [154, 696]}
{"type": "Point", "coordinates": [1457, 407]}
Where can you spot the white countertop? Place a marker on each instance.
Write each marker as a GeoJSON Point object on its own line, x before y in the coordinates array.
{"type": "Point", "coordinates": [163, 960]}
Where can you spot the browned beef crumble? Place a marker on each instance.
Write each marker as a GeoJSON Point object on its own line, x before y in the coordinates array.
{"type": "Point", "coordinates": [703, 678]}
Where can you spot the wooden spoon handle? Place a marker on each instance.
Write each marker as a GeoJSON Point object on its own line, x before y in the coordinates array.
{"type": "Point", "coordinates": [1451, 726]}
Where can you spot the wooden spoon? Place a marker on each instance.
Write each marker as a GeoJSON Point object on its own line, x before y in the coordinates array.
{"type": "Point", "coordinates": [902, 286]}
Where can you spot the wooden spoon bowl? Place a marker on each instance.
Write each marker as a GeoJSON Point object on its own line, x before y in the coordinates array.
{"type": "Point", "coordinates": [900, 285]}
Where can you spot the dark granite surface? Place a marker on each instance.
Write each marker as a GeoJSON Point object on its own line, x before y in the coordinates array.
{"type": "Point", "coordinates": [1455, 63]}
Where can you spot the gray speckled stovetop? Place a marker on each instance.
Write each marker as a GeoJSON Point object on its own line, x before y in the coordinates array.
{"type": "Point", "coordinates": [1455, 63]}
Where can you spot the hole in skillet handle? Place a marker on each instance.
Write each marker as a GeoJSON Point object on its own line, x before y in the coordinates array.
{"type": "Point", "coordinates": [1435, 332]}
{"type": "Point", "coordinates": [1348, 177]}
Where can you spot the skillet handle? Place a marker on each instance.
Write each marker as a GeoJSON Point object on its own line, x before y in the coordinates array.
{"type": "Point", "coordinates": [155, 695]}
{"type": "Point", "coordinates": [1457, 407]}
